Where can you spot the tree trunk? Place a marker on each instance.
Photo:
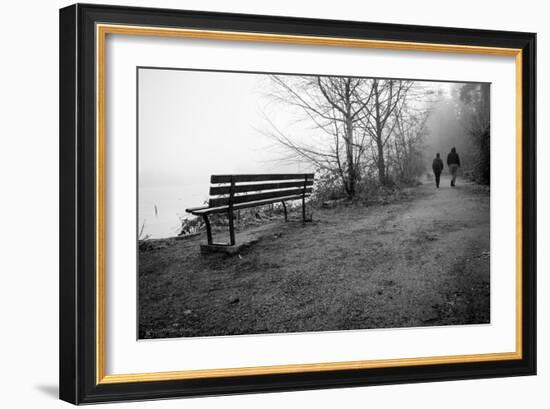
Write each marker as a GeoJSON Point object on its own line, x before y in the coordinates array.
{"type": "Point", "coordinates": [379, 141]}
{"type": "Point", "coordinates": [381, 164]}
{"type": "Point", "coordinates": [349, 157]}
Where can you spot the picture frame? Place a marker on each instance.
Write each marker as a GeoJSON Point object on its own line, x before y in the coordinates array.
{"type": "Point", "coordinates": [83, 218]}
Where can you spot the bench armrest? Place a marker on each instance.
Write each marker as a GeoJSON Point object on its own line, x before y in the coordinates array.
{"type": "Point", "coordinates": [193, 209]}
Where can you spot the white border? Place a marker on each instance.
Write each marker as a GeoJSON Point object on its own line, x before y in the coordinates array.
{"type": "Point", "coordinates": [126, 355]}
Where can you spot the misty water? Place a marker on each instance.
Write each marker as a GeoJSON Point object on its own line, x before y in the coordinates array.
{"type": "Point", "coordinates": [162, 208]}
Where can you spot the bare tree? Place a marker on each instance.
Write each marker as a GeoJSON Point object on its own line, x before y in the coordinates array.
{"type": "Point", "coordinates": [335, 105]}
{"type": "Point", "coordinates": [405, 152]}
{"type": "Point", "coordinates": [357, 117]}
{"type": "Point", "coordinates": [380, 116]}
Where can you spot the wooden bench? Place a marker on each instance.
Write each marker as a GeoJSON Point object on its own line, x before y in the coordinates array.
{"type": "Point", "coordinates": [234, 192]}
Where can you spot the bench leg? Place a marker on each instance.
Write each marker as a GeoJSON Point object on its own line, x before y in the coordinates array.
{"type": "Point", "coordinates": [284, 208]}
{"type": "Point", "coordinates": [230, 213]}
{"type": "Point", "coordinates": [208, 228]}
{"type": "Point", "coordinates": [304, 219]}
{"type": "Point", "coordinates": [231, 228]}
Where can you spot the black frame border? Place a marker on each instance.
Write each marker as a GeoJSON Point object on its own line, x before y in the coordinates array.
{"type": "Point", "coordinates": [78, 198]}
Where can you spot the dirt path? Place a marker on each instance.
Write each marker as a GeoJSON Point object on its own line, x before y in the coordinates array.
{"type": "Point", "coordinates": [424, 261]}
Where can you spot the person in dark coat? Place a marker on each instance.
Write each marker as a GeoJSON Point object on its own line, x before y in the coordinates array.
{"type": "Point", "coordinates": [453, 162]}
{"type": "Point", "coordinates": [437, 167]}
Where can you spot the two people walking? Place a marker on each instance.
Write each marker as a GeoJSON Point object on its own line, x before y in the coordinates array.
{"type": "Point", "coordinates": [453, 162]}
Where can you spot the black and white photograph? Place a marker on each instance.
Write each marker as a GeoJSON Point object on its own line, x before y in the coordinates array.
{"type": "Point", "coordinates": [285, 203]}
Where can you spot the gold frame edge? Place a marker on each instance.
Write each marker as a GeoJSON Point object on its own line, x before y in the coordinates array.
{"type": "Point", "coordinates": [101, 32]}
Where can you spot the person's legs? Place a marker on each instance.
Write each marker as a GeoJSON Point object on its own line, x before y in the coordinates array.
{"type": "Point", "coordinates": [454, 168]}
{"type": "Point", "coordinates": [437, 177]}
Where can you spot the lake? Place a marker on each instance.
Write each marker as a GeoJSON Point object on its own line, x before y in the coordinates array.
{"type": "Point", "coordinates": [162, 208]}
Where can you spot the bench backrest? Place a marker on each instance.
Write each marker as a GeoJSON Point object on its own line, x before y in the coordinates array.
{"type": "Point", "coordinates": [235, 189]}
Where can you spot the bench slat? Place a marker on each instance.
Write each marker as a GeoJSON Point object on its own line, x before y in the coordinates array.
{"type": "Point", "coordinates": [192, 209]}
{"type": "Point", "coordinates": [225, 190]}
{"type": "Point", "coordinates": [222, 201]}
{"type": "Point", "coordinates": [259, 177]}
{"type": "Point", "coordinates": [223, 209]}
